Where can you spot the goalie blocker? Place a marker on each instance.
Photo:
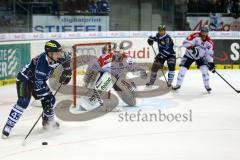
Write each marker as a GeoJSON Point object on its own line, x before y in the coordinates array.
{"type": "Point", "coordinates": [126, 90]}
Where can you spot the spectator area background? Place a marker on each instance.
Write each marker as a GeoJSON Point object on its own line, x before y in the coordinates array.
{"type": "Point", "coordinates": [124, 15]}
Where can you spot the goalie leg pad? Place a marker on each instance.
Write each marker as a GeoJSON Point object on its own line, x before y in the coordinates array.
{"type": "Point", "coordinates": [91, 79]}
{"type": "Point", "coordinates": [127, 93]}
{"type": "Point", "coordinates": [105, 82]}
{"type": "Point", "coordinates": [91, 76]}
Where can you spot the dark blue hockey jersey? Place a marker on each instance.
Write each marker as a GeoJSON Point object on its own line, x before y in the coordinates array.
{"type": "Point", "coordinates": [37, 72]}
{"type": "Point", "coordinates": [39, 69]}
{"type": "Point", "coordinates": [165, 44]}
{"type": "Point", "coordinates": [103, 6]}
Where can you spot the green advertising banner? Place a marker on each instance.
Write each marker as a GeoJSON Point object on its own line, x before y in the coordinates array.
{"type": "Point", "coordinates": [12, 58]}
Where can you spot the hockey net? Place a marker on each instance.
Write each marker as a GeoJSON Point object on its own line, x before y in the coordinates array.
{"type": "Point", "coordinates": [84, 54]}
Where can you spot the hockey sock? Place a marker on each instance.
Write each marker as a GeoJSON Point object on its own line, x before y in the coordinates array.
{"type": "Point", "coordinates": [48, 114]}
{"type": "Point", "coordinates": [153, 77]}
{"type": "Point", "coordinates": [48, 108]}
{"type": "Point", "coordinates": [171, 76]}
{"type": "Point", "coordinates": [181, 75]}
{"type": "Point", "coordinates": [14, 115]}
{"type": "Point", "coordinates": [205, 75]}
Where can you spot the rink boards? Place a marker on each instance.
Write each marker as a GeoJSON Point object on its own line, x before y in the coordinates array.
{"type": "Point", "coordinates": [227, 44]}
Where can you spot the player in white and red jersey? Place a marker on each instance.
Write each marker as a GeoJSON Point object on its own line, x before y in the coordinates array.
{"type": "Point", "coordinates": [117, 63]}
{"type": "Point", "coordinates": [105, 58]}
{"type": "Point", "coordinates": [199, 49]}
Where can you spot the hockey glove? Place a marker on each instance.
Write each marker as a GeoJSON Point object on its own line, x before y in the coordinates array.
{"type": "Point", "coordinates": [66, 64]}
{"type": "Point", "coordinates": [66, 74]}
{"type": "Point", "coordinates": [65, 77]}
{"type": "Point", "coordinates": [211, 67]}
{"type": "Point", "coordinates": [150, 41]}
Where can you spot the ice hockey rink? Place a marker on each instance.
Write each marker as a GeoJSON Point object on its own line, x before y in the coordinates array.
{"type": "Point", "coordinates": [213, 133]}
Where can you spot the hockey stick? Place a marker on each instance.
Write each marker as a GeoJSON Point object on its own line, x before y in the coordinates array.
{"type": "Point", "coordinates": [162, 68]}
{"type": "Point", "coordinates": [24, 141]}
{"type": "Point", "coordinates": [214, 71]}
{"type": "Point", "coordinates": [178, 50]}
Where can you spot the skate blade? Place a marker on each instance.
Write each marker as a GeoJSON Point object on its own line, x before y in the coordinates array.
{"type": "Point", "coordinates": [148, 86]}
{"type": "Point", "coordinates": [4, 137]}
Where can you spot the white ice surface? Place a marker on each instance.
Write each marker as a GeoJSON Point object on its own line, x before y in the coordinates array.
{"type": "Point", "coordinates": [214, 132]}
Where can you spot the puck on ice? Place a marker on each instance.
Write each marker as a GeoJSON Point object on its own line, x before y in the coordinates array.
{"type": "Point", "coordinates": [44, 143]}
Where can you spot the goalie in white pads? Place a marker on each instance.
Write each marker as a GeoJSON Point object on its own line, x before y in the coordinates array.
{"type": "Point", "coordinates": [108, 72]}
{"type": "Point", "coordinates": [199, 48]}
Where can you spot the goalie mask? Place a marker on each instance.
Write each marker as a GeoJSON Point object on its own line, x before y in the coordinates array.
{"type": "Point", "coordinates": [106, 48]}
{"type": "Point", "coordinates": [118, 54]}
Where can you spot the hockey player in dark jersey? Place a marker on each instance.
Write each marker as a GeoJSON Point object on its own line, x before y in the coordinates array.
{"type": "Point", "coordinates": [166, 53]}
{"type": "Point", "coordinates": [31, 81]}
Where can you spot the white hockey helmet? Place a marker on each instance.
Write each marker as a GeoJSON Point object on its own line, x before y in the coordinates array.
{"type": "Point", "coordinates": [118, 52]}
{"type": "Point", "coordinates": [117, 48]}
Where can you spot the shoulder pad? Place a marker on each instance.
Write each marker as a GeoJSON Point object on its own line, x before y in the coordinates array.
{"type": "Point", "coordinates": [193, 35]}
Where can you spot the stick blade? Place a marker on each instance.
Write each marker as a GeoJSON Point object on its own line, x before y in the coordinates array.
{"type": "Point", "coordinates": [24, 143]}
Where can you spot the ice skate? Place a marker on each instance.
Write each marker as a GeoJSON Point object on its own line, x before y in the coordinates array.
{"type": "Point", "coordinates": [208, 89]}
{"type": "Point", "coordinates": [149, 84]}
{"type": "Point", "coordinates": [176, 87]}
{"type": "Point", "coordinates": [50, 124]}
{"type": "Point", "coordinates": [169, 84]}
{"type": "Point", "coordinates": [6, 131]}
